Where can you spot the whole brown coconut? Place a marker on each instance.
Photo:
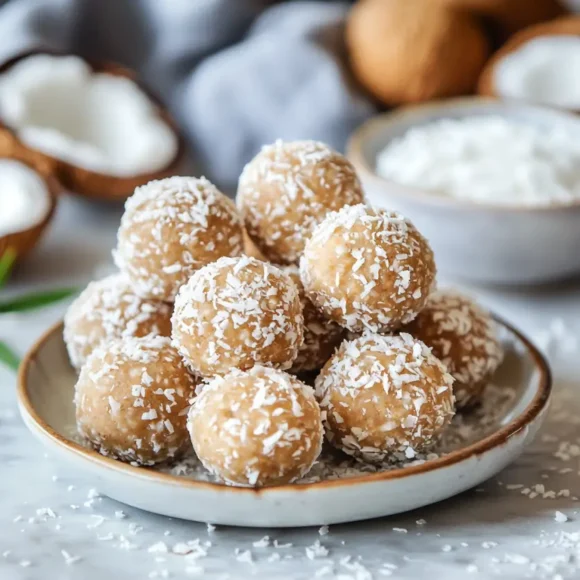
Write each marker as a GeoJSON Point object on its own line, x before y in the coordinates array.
{"type": "Point", "coordinates": [408, 51]}
{"type": "Point", "coordinates": [510, 16]}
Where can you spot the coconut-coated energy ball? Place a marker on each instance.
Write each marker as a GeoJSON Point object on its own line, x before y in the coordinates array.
{"type": "Point", "coordinates": [384, 397]}
{"type": "Point", "coordinates": [288, 189]}
{"type": "Point", "coordinates": [238, 312]}
{"type": "Point", "coordinates": [256, 428]}
{"type": "Point", "coordinates": [463, 336]}
{"type": "Point", "coordinates": [108, 309]}
{"type": "Point", "coordinates": [321, 336]}
{"type": "Point", "coordinates": [368, 269]}
{"type": "Point", "coordinates": [132, 398]}
{"type": "Point", "coordinates": [171, 228]}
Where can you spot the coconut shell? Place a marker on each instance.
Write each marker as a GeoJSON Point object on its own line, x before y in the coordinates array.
{"type": "Point", "coordinates": [568, 26]}
{"type": "Point", "coordinates": [24, 241]}
{"type": "Point", "coordinates": [410, 51]}
{"type": "Point", "coordinates": [510, 16]}
{"type": "Point", "coordinates": [83, 181]}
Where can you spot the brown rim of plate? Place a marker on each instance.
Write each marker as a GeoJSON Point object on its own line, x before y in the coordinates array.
{"type": "Point", "coordinates": [566, 25]}
{"type": "Point", "coordinates": [536, 406]}
{"type": "Point", "coordinates": [408, 114]}
{"type": "Point", "coordinates": [71, 175]}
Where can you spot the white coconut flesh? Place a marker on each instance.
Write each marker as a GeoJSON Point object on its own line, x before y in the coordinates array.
{"type": "Point", "coordinates": [96, 121]}
{"type": "Point", "coordinates": [544, 70]}
{"type": "Point", "coordinates": [24, 197]}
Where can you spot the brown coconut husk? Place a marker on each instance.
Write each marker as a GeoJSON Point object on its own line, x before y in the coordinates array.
{"type": "Point", "coordinates": [410, 51]}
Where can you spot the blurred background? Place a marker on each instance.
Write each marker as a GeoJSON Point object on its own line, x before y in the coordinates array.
{"type": "Point", "coordinates": [234, 75]}
{"type": "Point", "coordinates": [240, 73]}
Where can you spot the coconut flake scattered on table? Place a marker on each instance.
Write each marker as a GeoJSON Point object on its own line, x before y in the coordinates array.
{"type": "Point", "coordinates": [487, 159]}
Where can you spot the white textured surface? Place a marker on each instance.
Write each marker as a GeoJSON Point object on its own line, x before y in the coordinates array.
{"type": "Point", "coordinates": [24, 197]}
{"type": "Point", "coordinates": [486, 159]}
{"type": "Point", "coordinates": [98, 121]}
{"type": "Point", "coordinates": [496, 531]}
{"type": "Point", "coordinates": [543, 70]}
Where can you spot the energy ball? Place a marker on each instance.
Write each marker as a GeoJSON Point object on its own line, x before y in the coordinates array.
{"type": "Point", "coordinates": [368, 269]}
{"type": "Point", "coordinates": [171, 228]}
{"type": "Point", "coordinates": [238, 312]}
{"type": "Point", "coordinates": [321, 336]}
{"type": "Point", "coordinates": [463, 336]}
{"type": "Point", "coordinates": [288, 189]}
{"type": "Point", "coordinates": [109, 309]}
{"type": "Point", "coordinates": [256, 428]}
{"type": "Point", "coordinates": [384, 397]}
{"type": "Point", "coordinates": [132, 398]}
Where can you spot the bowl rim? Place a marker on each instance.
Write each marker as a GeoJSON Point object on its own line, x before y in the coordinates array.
{"type": "Point", "coordinates": [411, 115]}
{"type": "Point", "coordinates": [496, 439]}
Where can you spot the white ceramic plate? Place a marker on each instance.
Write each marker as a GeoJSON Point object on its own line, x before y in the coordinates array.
{"type": "Point", "coordinates": [478, 446]}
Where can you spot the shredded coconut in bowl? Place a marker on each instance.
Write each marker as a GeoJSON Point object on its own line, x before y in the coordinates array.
{"type": "Point", "coordinates": [487, 159]}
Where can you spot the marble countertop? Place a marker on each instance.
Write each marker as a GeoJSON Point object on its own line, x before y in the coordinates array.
{"type": "Point", "coordinates": [525, 523]}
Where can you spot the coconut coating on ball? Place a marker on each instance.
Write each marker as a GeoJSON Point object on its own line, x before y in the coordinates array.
{"type": "Point", "coordinates": [171, 228]}
{"type": "Point", "coordinates": [256, 428]}
{"type": "Point", "coordinates": [368, 269]}
{"type": "Point", "coordinates": [108, 309]}
{"type": "Point", "coordinates": [384, 397]}
{"type": "Point", "coordinates": [238, 312]}
{"type": "Point", "coordinates": [288, 189]}
{"type": "Point", "coordinates": [132, 398]}
{"type": "Point", "coordinates": [321, 336]}
{"type": "Point", "coordinates": [463, 336]}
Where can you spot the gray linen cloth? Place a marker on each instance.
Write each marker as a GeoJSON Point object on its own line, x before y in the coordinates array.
{"type": "Point", "coordinates": [236, 73]}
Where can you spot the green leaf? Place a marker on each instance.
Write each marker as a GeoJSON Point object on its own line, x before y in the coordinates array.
{"type": "Point", "coordinates": [6, 262]}
{"type": "Point", "coordinates": [35, 300]}
{"type": "Point", "coordinates": [8, 357]}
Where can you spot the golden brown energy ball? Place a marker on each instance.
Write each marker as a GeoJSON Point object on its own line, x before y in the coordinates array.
{"type": "Point", "coordinates": [463, 336]}
{"type": "Point", "coordinates": [409, 51]}
{"type": "Point", "coordinates": [132, 398]}
{"type": "Point", "coordinates": [108, 309]}
{"type": "Point", "coordinates": [238, 312]}
{"type": "Point", "coordinates": [368, 269]}
{"type": "Point", "coordinates": [171, 228]}
{"type": "Point", "coordinates": [384, 397]}
{"type": "Point", "coordinates": [256, 428]}
{"type": "Point", "coordinates": [288, 189]}
{"type": "Point", "coordinates": [321, 336]}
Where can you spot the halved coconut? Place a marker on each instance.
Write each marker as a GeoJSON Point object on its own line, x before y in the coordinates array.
{"type": "Point", "coordinates": [510, 16]}
{"type": "Point", "coordinates": [540, 64]}
{"type": "Point", "coordinates": [28, 198]}
{"type": "Point", "coordinates": [408, 51]}
{"type": "Point", "coordinates": [99, 129]}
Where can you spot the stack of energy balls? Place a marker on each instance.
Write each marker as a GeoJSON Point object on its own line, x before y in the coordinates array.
{"type": "Point", "coordinates": [217, 311]}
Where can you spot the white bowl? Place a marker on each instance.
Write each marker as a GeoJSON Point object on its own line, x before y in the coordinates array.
{"type": "Point", "coordinates": [494, 244]}
{"type": "Point", "coordinates": [45, 395]}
